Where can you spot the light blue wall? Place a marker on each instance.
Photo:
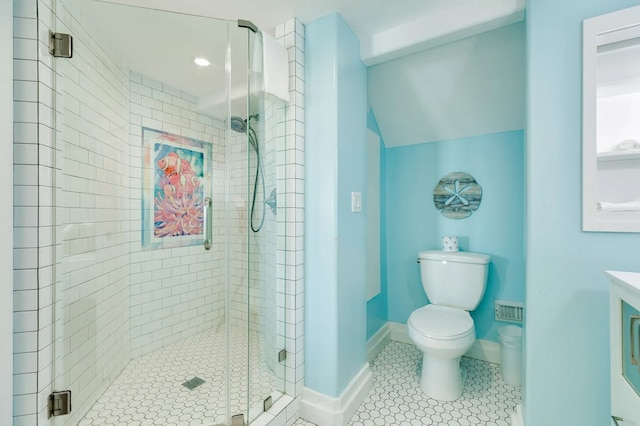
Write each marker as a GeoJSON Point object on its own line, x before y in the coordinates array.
{"type": "Point", "coordinates": [377, 307]}
{"type": "Point", "coordinates": [567, 320]}
{"type": "Point", "coordinates": [335, 238]}
{"type": "Point", "coordinates": [496, 228]}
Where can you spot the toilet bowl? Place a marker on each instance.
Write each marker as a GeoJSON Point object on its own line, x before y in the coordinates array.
{"type": "Point", "coordinates": [444, 330]}
{"type": "Point", "coordinates": [443, 334]}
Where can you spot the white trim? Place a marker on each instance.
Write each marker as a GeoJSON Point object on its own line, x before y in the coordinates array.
{"type": "Point", "coordinates": [484, 350]}
{"type": "Point", "coordinates": [328, 411]}
{"type": "Point", "coordinates": [399, 332]}
{"type": "Point", "coordinates": [377, 342]}
{"type": "Point", "coordinates": [516, 418]}
{"type": "Point", "coordinates": [372, 207]}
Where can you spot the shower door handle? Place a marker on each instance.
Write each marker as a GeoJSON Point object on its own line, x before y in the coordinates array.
{"type": "Point", "coordinates": [207, 223]}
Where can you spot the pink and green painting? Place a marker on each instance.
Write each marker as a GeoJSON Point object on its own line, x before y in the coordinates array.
{"type": "Point", "coordinates": [172, 189]}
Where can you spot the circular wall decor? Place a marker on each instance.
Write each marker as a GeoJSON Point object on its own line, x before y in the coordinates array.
{"type": "Point", "coordinates": [457, 195]}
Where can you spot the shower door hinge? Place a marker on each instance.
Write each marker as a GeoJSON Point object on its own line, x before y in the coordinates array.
{"type": "Point", "coordinates": [59, 403]}
{"type": "Point", "coordinates": [237, 420]}
{"type": "Point", "coordinates": [267, 403]}
{"type": "Point", "coordinates": [60, 45]}
{"type": "Point", "coordinates": [282, 355]}
{"type": "Point", "coordinates": [243, 23]}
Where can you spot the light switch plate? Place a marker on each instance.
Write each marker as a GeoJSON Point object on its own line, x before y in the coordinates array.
{"type": "Point", "coordinates": [356, 202]}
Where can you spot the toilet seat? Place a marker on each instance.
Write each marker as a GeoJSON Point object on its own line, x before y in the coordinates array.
{"type": "Point", "coordinates": [441, 322]}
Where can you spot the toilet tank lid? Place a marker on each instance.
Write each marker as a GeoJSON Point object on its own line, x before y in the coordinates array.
{"type": "Point", "coordinates": [460, 257]}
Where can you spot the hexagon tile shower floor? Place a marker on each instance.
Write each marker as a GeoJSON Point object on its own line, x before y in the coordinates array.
{"type": "Point", "coordinates": [152, 390]}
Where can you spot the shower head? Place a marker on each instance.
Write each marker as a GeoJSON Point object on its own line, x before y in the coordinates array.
{"type": "Point", "coordinates": [241, 126]}
{"type": "Point", "coordinates": [238, 124]}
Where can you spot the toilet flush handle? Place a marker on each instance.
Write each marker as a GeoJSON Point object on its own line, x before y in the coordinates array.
{"type": "Point", "coordinates": [418, 261]}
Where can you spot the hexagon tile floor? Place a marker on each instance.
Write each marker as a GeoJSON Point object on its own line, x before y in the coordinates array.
{"type": "Point", "coordinates": [396, 398]}
{"type": "Point", "coordinates": [151, 390]}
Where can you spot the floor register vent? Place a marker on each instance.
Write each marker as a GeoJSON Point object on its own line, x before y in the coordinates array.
{"type": "Point", "coordinates": [509, 311]}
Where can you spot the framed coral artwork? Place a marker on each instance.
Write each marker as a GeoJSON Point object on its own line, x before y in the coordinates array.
{"type": "Point", "coordinates": [174, 182]}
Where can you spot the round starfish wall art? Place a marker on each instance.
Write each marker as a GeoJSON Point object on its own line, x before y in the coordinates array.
{"type": "Point", "coordinates": [457, 195]}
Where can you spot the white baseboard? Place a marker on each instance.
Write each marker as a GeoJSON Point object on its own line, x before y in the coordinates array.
{"type": "Point", "coordinates": [377, 342]}
{"type": "Point", "coordinates": [516, 418]}
{"type": "Point", "coordinates": [399, 332]}
{"type": "Point", "coordinates": [484, 350]}
{"type": "Point", "coordinates": [328, 411]}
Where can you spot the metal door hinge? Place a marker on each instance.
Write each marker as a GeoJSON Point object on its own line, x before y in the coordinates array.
{"type": "Point", "coordinates": [243, 23]}
{"type": "Point", "coordinates": [237, 420]}
{"type": "Point", "coordinates": [60, 45]}
{"type": "Point", "coordinates": [267, 403]}
{"type": "Point", "coordinates": [282, 355]}
{"type": "Point", "coordinates": [59, 403]}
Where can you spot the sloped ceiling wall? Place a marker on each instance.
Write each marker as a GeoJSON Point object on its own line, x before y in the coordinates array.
{"type": "Point", "coordinates": [468, 87]}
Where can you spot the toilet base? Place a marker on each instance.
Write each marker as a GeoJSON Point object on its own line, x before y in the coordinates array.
{"type": "Point", "coordinates": [442, 378]}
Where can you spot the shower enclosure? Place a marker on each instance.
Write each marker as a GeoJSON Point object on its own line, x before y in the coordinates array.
{"type": "Point", "coordinates": [169, 305]}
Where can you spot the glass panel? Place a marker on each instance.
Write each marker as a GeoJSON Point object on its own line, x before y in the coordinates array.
{"type": "Point", "coordinates": [238, 231]}
{"type": "Point", "coordinates": [266, 290]}
{"type": "Point", "coordinates": [141, 141]}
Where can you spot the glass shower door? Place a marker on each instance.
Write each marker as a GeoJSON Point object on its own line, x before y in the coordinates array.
{"type": "Point", "coordinates": [257, 130]}
{"type": "Point", "coordinates": [141, 139]}
{"type": "Point", "coordinates": [149, 325]}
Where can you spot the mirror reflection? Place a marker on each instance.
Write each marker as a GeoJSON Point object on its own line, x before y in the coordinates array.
{"type": "Point", "coordinates": [610, 128]}
{"type": "Point", "coordinates": [617, 124]}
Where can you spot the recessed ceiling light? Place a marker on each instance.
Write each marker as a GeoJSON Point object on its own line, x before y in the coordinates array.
{"type": "Point", "coordinates": [202, 62]}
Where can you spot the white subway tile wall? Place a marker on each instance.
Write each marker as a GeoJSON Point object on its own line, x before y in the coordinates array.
{"type": "Point", "coordinates": [97, 106]}
{"type": "Point", "coordinates": [177, 292]}
{"type": "Point", "coordinates": [94, 204]}
{"type": "Point", "coordinates": [291, 218]}
{"type": "Point", "coordinates": [269, 305]}
{"type": "Point", "coordinates": [26, 233]}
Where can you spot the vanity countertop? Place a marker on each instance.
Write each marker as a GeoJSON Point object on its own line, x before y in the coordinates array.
{"type": "Point", "coordinates": [630, 279]}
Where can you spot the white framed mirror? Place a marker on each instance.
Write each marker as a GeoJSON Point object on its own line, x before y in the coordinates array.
{"type": "Point", "coordinates": [611, 122]}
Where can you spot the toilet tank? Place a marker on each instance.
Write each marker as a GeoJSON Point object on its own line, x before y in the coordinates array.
{"type": "Point", "coordinates": [454, 279]}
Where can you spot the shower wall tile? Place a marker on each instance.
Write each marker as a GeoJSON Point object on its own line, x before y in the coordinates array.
{"type": "Point", "coordinates": [291, 185]}
{"type": "Point", "coordinates": [34, 326]}
{"type": "Point", "coordinates": [174, 291]}
{"type": "Point", "coordinates": [26, 212]}
{"type": "Point", "coordinates": [92, 108]}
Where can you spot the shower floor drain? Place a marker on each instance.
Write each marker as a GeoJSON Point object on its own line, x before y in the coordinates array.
{"type": "Point", "coordinates": [193, 383]}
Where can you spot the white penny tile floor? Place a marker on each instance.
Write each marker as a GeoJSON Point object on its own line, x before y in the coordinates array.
{"type": "Point", "coordinates": [396, 398]}
{"type": "Point", "coordinates": [150, 390]}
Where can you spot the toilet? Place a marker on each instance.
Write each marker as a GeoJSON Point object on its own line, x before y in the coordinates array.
{"type": "Point", "coordinates": [443, 330]}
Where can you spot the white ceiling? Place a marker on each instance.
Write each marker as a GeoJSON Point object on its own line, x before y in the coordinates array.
{"type": "Point", "coordinates": [161, 45]}
{"type": "Point", "coordinates": [466, 88]}
{"type": "Point", "coordinates": [386, 29]}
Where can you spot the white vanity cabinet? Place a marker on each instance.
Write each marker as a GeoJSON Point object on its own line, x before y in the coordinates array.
{"type": "Point", "coordinates": [625, 347]}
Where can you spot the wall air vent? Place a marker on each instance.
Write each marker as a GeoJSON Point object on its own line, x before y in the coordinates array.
{"type": "Point", "coordinates": [509, 311]}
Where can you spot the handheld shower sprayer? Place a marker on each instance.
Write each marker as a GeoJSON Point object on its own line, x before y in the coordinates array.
{"type": "Point", "coordinates": [241, 125]}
